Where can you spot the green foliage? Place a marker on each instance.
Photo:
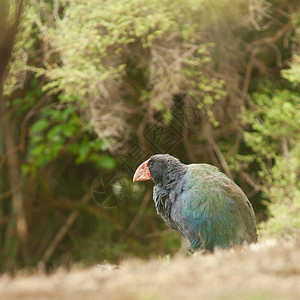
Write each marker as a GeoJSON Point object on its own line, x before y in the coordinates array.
{"type": "Point", "coordinates": [284, 192]}
{"type": "Point", "coordinates": [275, 140]}
{"type": "Point", "coordinates": [23, 51]}
{"type": "Point", "coordinates": [275, 116]}
{"type": "Point", "coordinates": [98, 46]}
{"type": "Point", "coordinates": [92, 33]}
{"type": "Point", "coordinates": [59, 130]}
{"type": "Point", "coordinates": [292, 74]}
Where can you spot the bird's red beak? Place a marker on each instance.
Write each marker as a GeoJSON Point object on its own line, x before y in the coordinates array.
{"type": "Point", "coordinates": [142, 172]}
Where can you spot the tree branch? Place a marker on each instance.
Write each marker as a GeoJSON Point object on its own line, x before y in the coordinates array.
{"type": "Point", "coordinates": [213, 144]}
{"type": "Point", "coordinates": [64, 230]}
{"type": "Point", "coordinates": [7, 37]}
{"type": "Point", "coordinates": [14, 178]}
{"type": "Point", "coordinates": [138, 215]}
{"type": "Point", "coordinates": [271, 39]}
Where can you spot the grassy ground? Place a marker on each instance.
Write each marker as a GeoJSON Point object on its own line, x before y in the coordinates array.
{"type": "Point", "coordinates": [269, 270]}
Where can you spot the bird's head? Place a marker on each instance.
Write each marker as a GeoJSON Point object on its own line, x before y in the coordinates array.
{"type": "Point", "coordinates": [159, 168]}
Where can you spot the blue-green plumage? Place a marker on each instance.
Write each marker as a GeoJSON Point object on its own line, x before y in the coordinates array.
{"type": "Point", "coordinates": [201, 203]}
{"type": "Point", "coordinates": [216, 209]}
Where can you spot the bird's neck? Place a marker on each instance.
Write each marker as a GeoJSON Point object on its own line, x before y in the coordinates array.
{"type": "Point", "coordinates": [174, 173]}
{"type": "Point", "coordinates": [171, 179]}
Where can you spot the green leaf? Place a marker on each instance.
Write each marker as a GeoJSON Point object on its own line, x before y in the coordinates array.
{"type": "Point", "coordinates": [40, 125]}
{"type": "Point", "coordinates": [106, 161]}
{"type": "Point", "coordinates": [84, 150]}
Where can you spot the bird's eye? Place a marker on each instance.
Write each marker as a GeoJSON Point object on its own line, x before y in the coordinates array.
{"type": "Point", "coordinates": [151, 163]}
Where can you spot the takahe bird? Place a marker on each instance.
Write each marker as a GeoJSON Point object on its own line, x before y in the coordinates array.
{"type": "Point", "coordinates": [200, 202]}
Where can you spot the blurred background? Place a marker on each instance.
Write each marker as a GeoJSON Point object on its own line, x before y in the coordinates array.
{"type": "Point", "coordinates": [90, 89]}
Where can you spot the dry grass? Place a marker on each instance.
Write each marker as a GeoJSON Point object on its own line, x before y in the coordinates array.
{"type": "Point", "coordinates": [269, 270]}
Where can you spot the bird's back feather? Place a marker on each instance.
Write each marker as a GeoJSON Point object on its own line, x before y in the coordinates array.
{"type": "Point", "coordinates": [210, 210]}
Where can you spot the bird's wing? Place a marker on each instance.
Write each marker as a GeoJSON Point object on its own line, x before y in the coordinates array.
{"type": "Point", "coordinates": [214, 207]}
